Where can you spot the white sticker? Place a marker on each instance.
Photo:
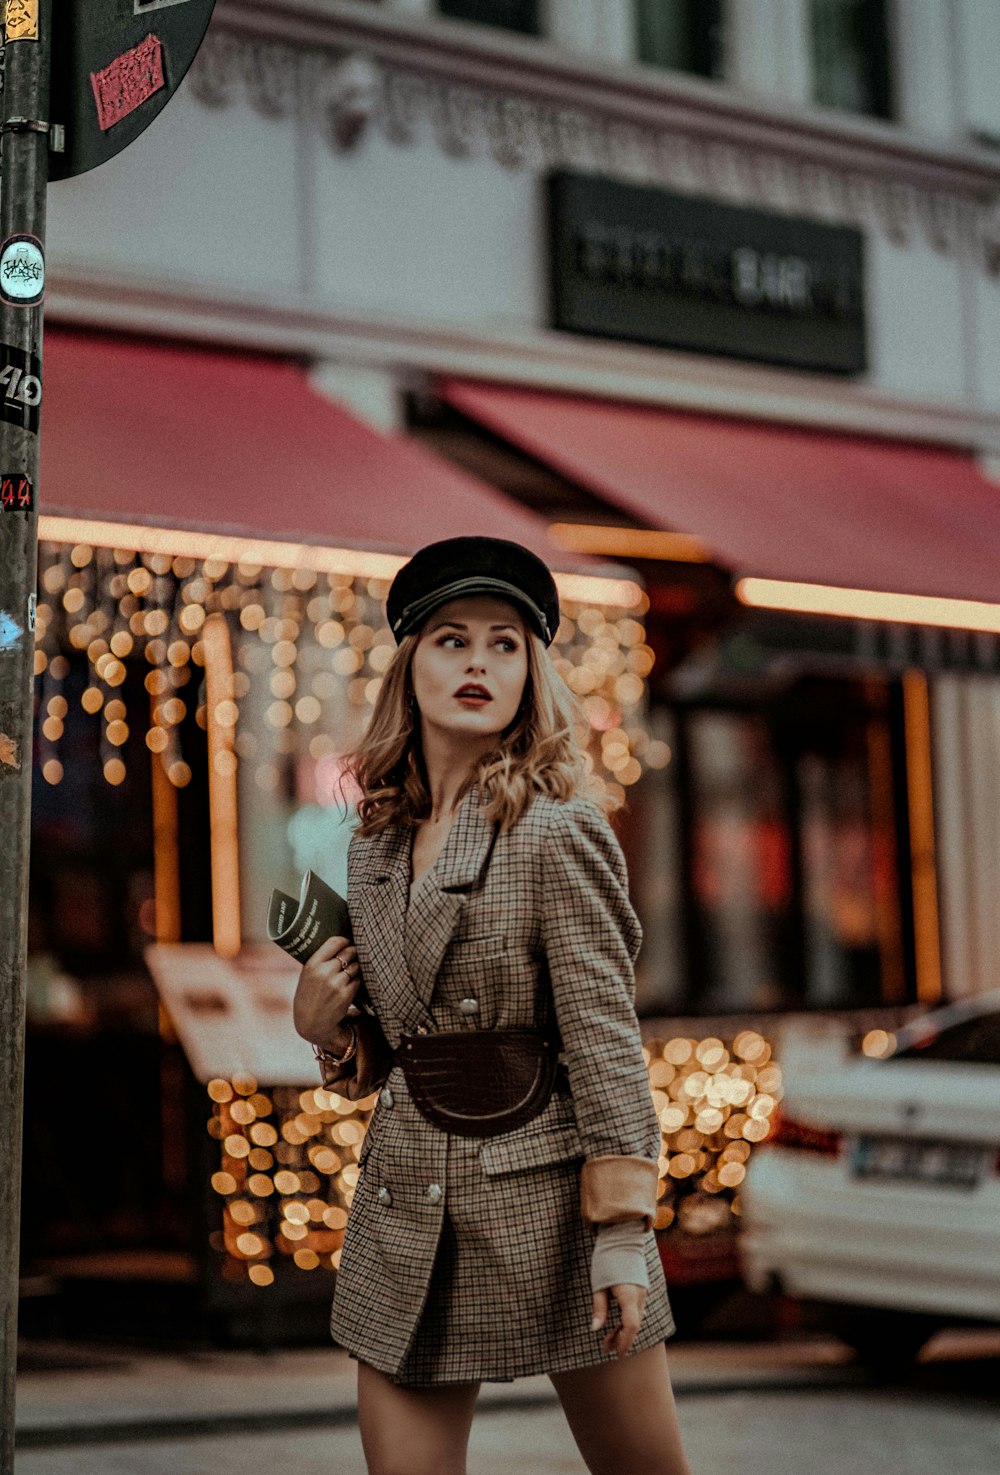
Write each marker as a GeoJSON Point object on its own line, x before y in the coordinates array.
{"type": "Point", "coordinates": [142, 7]}
{"type": "Point", "coordinates": [32, 607]}
{"type": "Point", "coordinates": [22, 271]}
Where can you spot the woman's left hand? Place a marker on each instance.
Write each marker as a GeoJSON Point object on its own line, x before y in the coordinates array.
{"type": "Point", "coordinates": [632, 1303]}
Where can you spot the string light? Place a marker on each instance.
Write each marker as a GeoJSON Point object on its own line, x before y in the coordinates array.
{"type": "Point", "coordinates": [295, 1215]}
{"type": "Point", "coordinates": [714, 1101]}
{"type": "Point", "coordinates": [122, 598]}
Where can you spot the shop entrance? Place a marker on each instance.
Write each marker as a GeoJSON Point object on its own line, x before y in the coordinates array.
{"type": "Point", "coordinates": [786, 827]}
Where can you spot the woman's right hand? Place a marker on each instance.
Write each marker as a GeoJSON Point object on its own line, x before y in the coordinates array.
{"type": "Point", "coordinates": [326, 987]}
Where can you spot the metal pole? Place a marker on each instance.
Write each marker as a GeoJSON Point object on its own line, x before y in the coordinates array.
{"type": "Point", "coordinates": [24, 120]}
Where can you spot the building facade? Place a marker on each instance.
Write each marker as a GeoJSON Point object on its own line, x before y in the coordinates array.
{"type": "Point", "coordinates": [379, 193]}
{"type": "Point", "coordinates": [364, 186]}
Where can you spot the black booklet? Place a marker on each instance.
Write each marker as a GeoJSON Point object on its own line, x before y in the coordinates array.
{"type": "Point", "coordinates": [300, 927]}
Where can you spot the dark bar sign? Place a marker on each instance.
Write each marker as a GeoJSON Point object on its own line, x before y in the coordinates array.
{"type": "Point", "coordinates": [641, 264]}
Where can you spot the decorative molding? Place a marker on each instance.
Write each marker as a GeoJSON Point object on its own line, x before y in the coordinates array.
{"type": "Point", "coordinates": [413, 351]}
{"type": "Point", "coordinates": [530, 106]}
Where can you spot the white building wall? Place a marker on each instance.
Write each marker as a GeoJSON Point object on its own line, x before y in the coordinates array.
{"type": "Point", "coordinates": [925, 74]}
{"type": "Point", "coordinates": [204, 197]}
{"type": "Point", "coordinates": [918, 330]}
{"type": "Point", "coordinates": [767, 49]}
{"type": "Point", "coordinates": [977, 34]}
{"type": "Point", "coordinates": [409, 231]}
{"type": "Point", "coordinates": [600, 28]}
{"type": "Point", "coordinates": [443, 228]}
{"type": "Point", "coordinates": [984, 312]}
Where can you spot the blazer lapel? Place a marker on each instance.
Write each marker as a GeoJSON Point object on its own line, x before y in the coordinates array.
{"type": "Point", "coordinates": [436, 908]}
{"type": "Point", "coordinates": [378, 908]}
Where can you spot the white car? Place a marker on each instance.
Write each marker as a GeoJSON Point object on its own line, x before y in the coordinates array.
{"type": "Point", "coordinates": [878, 1193]}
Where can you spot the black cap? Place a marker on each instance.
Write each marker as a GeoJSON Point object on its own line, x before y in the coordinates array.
{"type": "Point", "coordinates": [461, 566]}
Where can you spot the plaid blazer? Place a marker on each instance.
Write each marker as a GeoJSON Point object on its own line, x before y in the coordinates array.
{"type": "Point", "coordinates": [475, 949]}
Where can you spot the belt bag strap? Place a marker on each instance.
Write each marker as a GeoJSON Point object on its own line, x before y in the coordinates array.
{"type": "Point", "coordinates": [480, 1082]}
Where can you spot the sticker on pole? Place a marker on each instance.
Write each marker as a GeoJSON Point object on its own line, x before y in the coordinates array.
{"type": "Point", "coordinates": [20, 18]}
{"type": "Point", "coordinates": [10, 631]}
{"type": "Point", "coordinates": [10, 748]}
{"type": "Point", "coordinates": [115, 66]}
{"type": "Point", "coordinates": [22, 271]}
{"type": "Point", "coordinates": [20, 387]}
{"type": "Point", "coordinates": [16, 493]}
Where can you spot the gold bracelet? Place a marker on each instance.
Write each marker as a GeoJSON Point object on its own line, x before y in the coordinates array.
{"type": "Point", "coordinates": [328, 1057]}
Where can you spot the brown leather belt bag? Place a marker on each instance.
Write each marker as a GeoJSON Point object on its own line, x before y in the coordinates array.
{"type": "Point", "coordinates": [480, 1082]}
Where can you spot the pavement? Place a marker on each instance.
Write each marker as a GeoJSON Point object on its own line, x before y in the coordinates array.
{"type": "Point", "coordinates": [70, 1394]}
{"type": "Point", "coordinates": [787, 1408]}
{"type": "Point", "coordinates": [119, 1394]}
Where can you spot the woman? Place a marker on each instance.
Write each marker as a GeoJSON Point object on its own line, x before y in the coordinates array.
{"type": "Point", "coordinates": [487, 892]}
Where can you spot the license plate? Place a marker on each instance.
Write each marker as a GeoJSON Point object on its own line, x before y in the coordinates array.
{"type": "Point", "coordinates": [913, 1160]}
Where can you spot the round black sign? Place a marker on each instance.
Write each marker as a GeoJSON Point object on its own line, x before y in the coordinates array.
{"type": "Point", "coordinates": [115, 65]}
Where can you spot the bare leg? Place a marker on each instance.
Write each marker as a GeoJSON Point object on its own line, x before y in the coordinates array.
{"type": "Point", "coordinates": [622, 1416]}
{"type": "Point", "coordinates": [413, 1431]}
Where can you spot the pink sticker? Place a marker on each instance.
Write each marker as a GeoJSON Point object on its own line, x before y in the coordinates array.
{"type": "Point", "coordinates": [128, 81]}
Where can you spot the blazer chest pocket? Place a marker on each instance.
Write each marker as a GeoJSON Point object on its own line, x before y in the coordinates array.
{"type": "Point", "coordinates": [466, 947]}
{"type": "Point", "coordinates": [475, 960]}
{"type": "Point", "coordinates": [531, 1147]}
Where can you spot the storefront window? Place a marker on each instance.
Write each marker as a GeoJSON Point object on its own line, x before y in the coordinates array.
{"type": "Point", "coordinates": [93, 1154]}
{"type": "Point", "coordinates": [850, 55]}
{"type": "Point", "coordinates": [508, 15]}
{"type": "Point", "coordinates": [649, 831]}
{"type": "Point", "coordinates": [683, 35]}
{"type": "Point", "coordinates": [742, 873]}
{"type": "Point", "coordinates": [849, 880]}
{"type": "Point", "coordinates": [784, 851]}
{"type": "Point", "coordinates": [91, 854]}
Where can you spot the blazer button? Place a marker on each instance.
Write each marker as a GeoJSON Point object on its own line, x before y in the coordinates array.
{"type": "Point", "coordinates": [385, 1097]}
{"type": "Point", "coordinates": [469, 1006]}
{"type": "Point", "coordinates": [384, 1197]}
{"type": "Point", "coordinates": [434, 1193]}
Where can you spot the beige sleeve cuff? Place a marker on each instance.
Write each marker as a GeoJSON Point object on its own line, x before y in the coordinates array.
{"type": "Point", "coordinates": [619, 1256]}
{"type": "Point", "coordinates": [613, 1189]}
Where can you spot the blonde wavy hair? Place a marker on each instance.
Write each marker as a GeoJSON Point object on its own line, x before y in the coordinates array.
{"type": "Point", "coordinates": [541, 752]}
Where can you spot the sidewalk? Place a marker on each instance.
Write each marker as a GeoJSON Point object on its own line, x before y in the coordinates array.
{"type": "Point", "coordinates": [135, 1395]}
{"type": "Point", "coordinates": [781, 1408]}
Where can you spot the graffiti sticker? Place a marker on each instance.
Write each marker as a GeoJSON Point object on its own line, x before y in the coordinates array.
{"type": "Point", "coordinates": [22, 271]}
{"type": "Point", "coordinates": [127, 82]}
{"type": "Point", "coordinates": [20, 387]}
{"type": "Point", "coordinates": [16, 494]}
{"type": "Point", "coordinates": [20, 18]}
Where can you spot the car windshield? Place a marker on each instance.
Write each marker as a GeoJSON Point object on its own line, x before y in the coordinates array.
{"type": "Point", "coordinates": [973, 1041]}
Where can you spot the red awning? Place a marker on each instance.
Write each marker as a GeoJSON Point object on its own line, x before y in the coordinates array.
{"type": "Point", "coordinates": [181, 437]}
{"type": "Point", "coordinates": [768, 500]}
